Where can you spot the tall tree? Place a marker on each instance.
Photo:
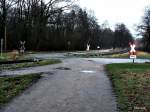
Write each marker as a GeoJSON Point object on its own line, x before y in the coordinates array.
{"type": "Point", "coordinates": [122, 36]}
{"type": "Point", "coordinates": [144, 29]}
{"type": "Point", "coordinates": [4, 7]}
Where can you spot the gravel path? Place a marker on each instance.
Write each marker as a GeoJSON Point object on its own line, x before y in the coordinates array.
{"type": "Point", "coordinates": [82, 87]}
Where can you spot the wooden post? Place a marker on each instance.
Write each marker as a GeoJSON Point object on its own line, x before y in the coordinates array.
{"type": "Point", "coordinates": [4, 24]}
{"type": "Point", "coordinates": [5, 39]}
{"type": "Point", "coordinates": [1, 47]}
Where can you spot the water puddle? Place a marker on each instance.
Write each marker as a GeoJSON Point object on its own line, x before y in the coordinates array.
{"type": "Point", "coordinates": [63, 68]}
{"type": "Point", "coordinates": [88, 71]}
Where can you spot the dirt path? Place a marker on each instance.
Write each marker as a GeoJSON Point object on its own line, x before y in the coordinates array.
{"type": "Point", "coordinates": [82, 87]}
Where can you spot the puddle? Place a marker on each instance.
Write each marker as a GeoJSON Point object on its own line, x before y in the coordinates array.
{"type": "Point", "coordinates": [63, 68]}
{"type": "Point", "coordinates": [91, 60]}
{"type": "Point", "coordinates": [88, 71]}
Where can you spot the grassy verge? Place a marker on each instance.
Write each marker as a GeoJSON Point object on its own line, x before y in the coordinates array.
{"type": "Point", "coordinates": [140, 54]}
{"type": "Point", "coordinates": [132, 86]}
{"type": "Point", "coordinates": [29, 64]}
{"type": "Point", "coordinates": [86, 55]}
{"type": "Point", "coordinates": [13, 86]}
{"type": "Point", "coordinates": [8, 56]}
{"type": "Point", "coordinates": [4, 57]}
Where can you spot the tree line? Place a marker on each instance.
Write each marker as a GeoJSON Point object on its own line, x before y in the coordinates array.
{"type": "Point", "coordinates": [144, 30]}
{"type": "Point", "coordinates": [56, 25]}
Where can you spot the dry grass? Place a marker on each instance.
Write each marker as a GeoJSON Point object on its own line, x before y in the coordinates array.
{"type": "Point", "coordinates": [132, 86]}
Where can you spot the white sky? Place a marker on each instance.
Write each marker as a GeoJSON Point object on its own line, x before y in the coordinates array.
{"type": "Point", "coordinates": [129, 12]}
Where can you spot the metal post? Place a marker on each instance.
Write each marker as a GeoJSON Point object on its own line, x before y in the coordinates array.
{"type": "Point", "coordinates": [133, 60]}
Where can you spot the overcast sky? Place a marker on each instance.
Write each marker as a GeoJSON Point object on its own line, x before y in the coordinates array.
{"type": "Point", "coordinates": [129, 12]}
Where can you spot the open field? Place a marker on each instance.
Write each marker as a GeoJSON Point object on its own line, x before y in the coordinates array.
{"type": "Point", "coordinates": [13, 86]}
{"type": "Point", "coordinates": [132, 86]}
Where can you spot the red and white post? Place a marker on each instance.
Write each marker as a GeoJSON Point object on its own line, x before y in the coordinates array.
{"type": "Point", "coordinates": [132, 51]}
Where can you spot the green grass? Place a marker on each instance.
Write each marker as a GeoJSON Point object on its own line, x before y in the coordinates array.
{"type": "Point", "coordinates": [4, 57]}
{"type": "Point", "coordinates": [140, 54]}
{"type": "Point", "coordinates": [7, 57]}
{"type": "Point", "coordinates": [13, 86]}
{"type": "Point", "coordinates": [29, 64]}
{"type": "Point", "coordinates": [132, 86]}
{"type": "Point", "coordinates": [87, 55]}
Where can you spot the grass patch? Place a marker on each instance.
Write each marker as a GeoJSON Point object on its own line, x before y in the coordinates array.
{"type": "Point", "coordinates": [29, 64]}
{"type": "Point", "coordinates": [4, 57]}
{"type": "Point", "coordinates": [7, 57]}
{"type": "Point", "coordinates": [85, 55]}
{"type": "Point", "coordinates": [140, 54]}
{"type": "Point", "coordinates": [132, 86]}
{"type": "Point", "coordinates": [13, 86]}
